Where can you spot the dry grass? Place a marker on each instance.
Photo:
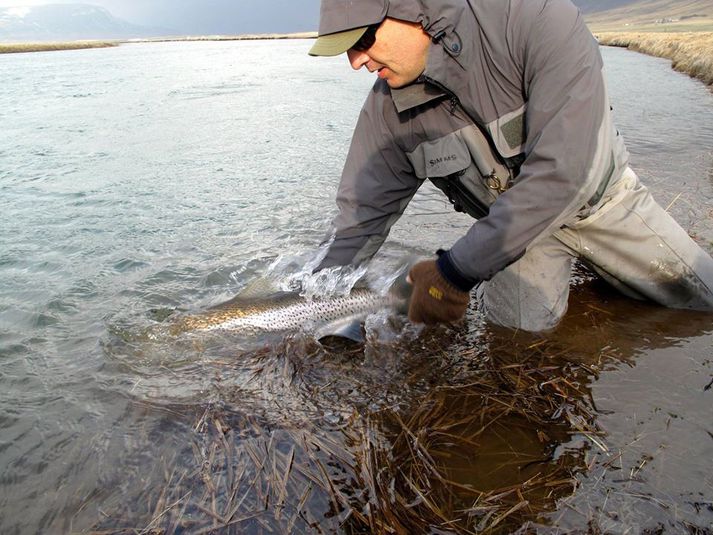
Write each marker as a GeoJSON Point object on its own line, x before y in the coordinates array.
{"type": "Point", "coordinates": [492, 437]}
{"type": "Point", "coordinates": [689, 52]}
{"type": "Point", "coordinates": [242, 37]}
{"type": "Point", "coordinates": [10, 48]}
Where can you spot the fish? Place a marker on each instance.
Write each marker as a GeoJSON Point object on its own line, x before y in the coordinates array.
{"type": "Point", "coordinates": [279, 312]}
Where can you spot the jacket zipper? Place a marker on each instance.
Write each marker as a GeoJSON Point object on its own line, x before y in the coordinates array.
{"type": "Point", "coordinates": [451, 97]}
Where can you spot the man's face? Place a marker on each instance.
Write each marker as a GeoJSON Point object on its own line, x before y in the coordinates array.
{"type": "Point", "coordinates": [398, 54]}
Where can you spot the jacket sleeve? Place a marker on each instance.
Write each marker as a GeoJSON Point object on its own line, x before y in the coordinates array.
{"type": "Point", "coordinates": [566, 135]}
{"type": "Point", "coordinates": [376, 186]}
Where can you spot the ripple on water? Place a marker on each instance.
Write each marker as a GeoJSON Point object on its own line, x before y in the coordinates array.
{"type": "Point", "coordinates": [201, 92]}
{"type": "Point", "coordinates": [113, 215]}
{"type": "Point", "coordinates": [22, 319]}
{"type": "Point", "coordinates": [127, 264]}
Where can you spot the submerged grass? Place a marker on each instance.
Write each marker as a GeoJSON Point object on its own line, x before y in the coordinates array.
{"type": "Point", "coordinates": [476, 457]}
{"type": "Point", "coordinates": [689, 52]}
{"type": "Point", "coordinates": [449, 432]}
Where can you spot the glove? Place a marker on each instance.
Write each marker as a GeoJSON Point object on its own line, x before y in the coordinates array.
{"type": "Point", "coordinates": [434, 299]}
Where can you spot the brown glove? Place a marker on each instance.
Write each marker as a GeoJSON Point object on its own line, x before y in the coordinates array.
{"type": "Point", "coordinates": [434, 300]}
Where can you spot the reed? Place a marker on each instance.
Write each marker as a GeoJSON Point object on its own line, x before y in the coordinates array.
{"type": "Point", "coordinates": [689, 52]}
{"type": "Point", "coordinates": [10, 48]}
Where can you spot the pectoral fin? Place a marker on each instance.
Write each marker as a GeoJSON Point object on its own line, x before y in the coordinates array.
{"type": "Point", "coordinates": [350, 329]}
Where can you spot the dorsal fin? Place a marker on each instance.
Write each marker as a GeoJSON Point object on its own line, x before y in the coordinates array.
{"type": "Point", "coordinates": [259, 287]}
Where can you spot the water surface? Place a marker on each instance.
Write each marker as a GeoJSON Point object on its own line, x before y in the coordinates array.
{"type": "Point", "coordinates": [142, 179]}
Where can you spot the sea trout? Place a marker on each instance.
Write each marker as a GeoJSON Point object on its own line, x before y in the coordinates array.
{"type": "Point", "coordinates": [288, 311]}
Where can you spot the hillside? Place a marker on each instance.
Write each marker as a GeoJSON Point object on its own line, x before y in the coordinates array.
{"type": "Point", "coordinates": [679, 30]}
{"type": "Point", "coordinates": [648, 15]}
{"type": "Point", "coordinates": [596, 6]}
{"type": "Point", "coordinates": [65, 22]}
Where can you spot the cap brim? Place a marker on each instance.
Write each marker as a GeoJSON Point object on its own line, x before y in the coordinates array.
{"type": "Point", "coordinates": [334, 44]}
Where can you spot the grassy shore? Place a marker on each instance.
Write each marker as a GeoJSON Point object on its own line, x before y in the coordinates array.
{"type": "Point", "coordinates": [243, 37]}
{"type": "Point", "coordinates": [9, 48]}
{"type": "Point", "coordinates": [689, 52]}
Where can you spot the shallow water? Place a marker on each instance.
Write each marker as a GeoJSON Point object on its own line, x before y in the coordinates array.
{"type": "Point", "coordinates": [147, 178]}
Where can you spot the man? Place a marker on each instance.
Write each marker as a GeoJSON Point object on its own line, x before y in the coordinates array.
{"type": "Point", "coordinates": [502, 104]}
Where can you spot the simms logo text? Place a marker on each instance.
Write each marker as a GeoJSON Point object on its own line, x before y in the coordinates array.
{"type": "Point", "coordinates": [435, 161]}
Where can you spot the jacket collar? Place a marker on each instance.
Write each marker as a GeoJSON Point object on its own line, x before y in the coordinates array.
{"type": "Point", "coordinates": [415, 94]}
{"type": "Point", "coordinates": [443, 77]}
{"type": "Point", "coordinates": [445, 74]}
{"type": "Point", "coordinates": [445, 21]}
{"type": "Point", "coordinates": [435, 82]}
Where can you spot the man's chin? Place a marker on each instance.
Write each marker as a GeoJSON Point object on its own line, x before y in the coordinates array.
{"type": "Point", "coordinates": [395, 83]}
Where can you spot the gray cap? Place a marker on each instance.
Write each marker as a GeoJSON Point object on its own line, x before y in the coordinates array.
{"type": "Point", "coordinates": [343, 22]}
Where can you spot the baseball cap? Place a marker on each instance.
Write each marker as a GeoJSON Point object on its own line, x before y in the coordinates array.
{"type": "Point", "coordinates": [343, 22]}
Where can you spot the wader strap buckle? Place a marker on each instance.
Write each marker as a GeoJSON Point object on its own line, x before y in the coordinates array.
{"type": "Point", "coordinates": [494, 182]}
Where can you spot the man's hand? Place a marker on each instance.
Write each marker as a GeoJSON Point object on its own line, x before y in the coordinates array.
{"type": "Point", "coordinates": [434, 299]}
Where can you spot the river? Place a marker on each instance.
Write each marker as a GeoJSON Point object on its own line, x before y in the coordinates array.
{"type": "Point", "coordinates": [148, 178]}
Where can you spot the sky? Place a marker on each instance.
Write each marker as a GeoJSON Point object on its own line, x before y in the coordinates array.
{"type": "Point", "coordinates": [206, 16]}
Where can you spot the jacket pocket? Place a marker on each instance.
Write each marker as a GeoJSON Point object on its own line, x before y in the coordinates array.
{"type": "Point", "coordinates": [464, 167]}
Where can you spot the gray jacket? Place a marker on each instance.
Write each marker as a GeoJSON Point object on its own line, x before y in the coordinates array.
{"type": "Point", "coordinates": [516, 85]}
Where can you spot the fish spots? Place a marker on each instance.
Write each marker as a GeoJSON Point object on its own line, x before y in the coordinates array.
{"type": "Point", "coordinates": [287, 312]}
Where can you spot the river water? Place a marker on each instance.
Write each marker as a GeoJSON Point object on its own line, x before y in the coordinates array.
{"type": "Point", "coordinates": [139, 180]}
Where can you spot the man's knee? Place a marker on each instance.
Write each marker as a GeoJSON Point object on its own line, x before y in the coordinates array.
{"type": "Point", "coordinates": [532, 313]}
{"type": "Point", "coordinates": [526, 296]}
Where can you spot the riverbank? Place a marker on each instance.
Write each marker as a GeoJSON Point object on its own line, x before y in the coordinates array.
{"type": "Point", "coordinates": [243, 37]}
{"type": "Point", "coordinates": [9, 48]}
{"type": "Point", "coordinates": [689, 52]}
{"type": "Point", "coordinates": [12, 48]}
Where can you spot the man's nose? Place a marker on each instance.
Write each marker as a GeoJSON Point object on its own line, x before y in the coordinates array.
{"type": "Point", "coordinates": [357, 59]}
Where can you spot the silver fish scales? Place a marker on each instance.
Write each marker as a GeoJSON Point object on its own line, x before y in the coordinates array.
{"type": "Point", "coordinates": [288, 311]}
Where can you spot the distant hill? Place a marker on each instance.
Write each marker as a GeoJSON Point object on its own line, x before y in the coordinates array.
{"type": "Point", "coordinates": [67, 22]}
{"type": "Point", "coordinates": [597, 6]}
{"type": "Point", "coordinates": [648, 15]}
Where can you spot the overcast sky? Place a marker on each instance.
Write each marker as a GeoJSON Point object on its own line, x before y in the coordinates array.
{"type": "Point", "coordinates": [206, 16]}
